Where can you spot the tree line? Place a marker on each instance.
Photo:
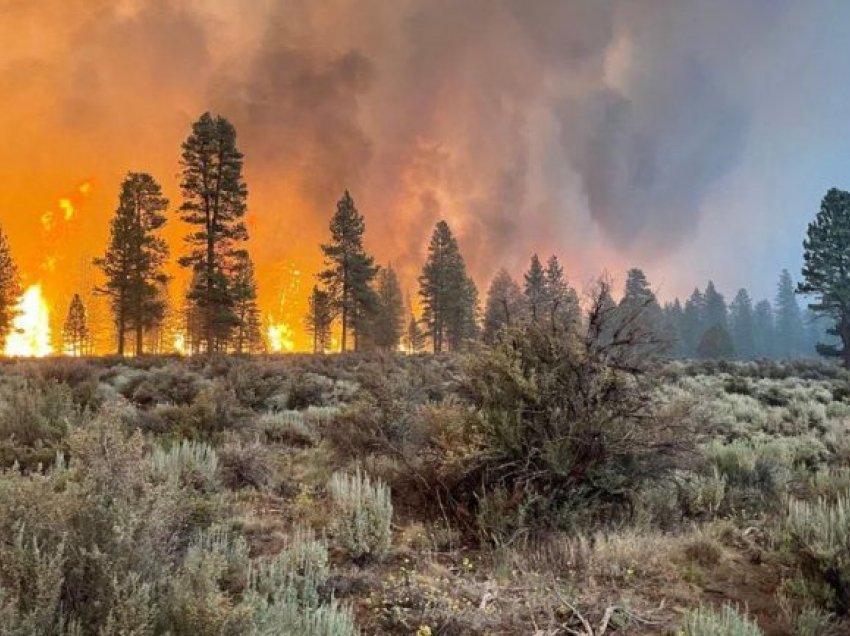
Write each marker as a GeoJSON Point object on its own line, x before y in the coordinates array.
{"type": "Point", "coordinates": [363, 305]}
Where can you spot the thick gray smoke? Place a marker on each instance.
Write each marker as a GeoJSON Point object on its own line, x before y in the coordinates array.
{"type": "Point", "coordinates": [584, 127]}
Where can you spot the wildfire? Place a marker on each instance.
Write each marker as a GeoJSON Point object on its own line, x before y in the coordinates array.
{"type": "Point", "coordinates": [180, 343]}
{"type": "Point", "coordinates": [30, 335]}
{"type": "Point", "coordinates": [280, 337]}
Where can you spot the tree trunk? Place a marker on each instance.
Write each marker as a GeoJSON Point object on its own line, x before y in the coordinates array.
{"type": "Point", "coordinates": [140, 332]}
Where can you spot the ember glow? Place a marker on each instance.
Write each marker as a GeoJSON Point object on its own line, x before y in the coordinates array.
{"type": "Point", "coordinates": [31, 335]}
{"type": "Point", "coordinates": [281, 338]}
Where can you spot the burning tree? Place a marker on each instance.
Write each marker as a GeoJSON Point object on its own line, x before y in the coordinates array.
{"type": "Point", "coordinates": [75, 334]}
{"type": "Point", "coordinates": [214, 203]}
{"type": "Point", "coordinates": [135, 258]}
{"type": "Point", "coordinates": [10, 288]}
{"type": "Point", "coordinates": [349, 271]}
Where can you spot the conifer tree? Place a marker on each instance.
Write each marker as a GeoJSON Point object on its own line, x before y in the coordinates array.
{"type": "Point", "coordinates": [319, 319]}
{"type": "Point", "coordinates": [135, 258]}
{"type": "Point", "coordinates": [349, 271]}
{"type": "Point", "coordinates": [75, 332]}
{"type": "Point", "coordinates": [561, 300]}
{"type": "Point", "coordinates": [505, 305]}
{"type": "Point", "coordinates": [449, 297]}
{"type": "Point", "coordinates": [716, 343]}
{"type": "Point", "coordinates": [415, 337]}
{"type": "Point", "coordinates": [388, 324]}
{"type": "Point", "coordinates": [714, 309]}
{"type": "Point", "coordinates": [535, 289]}
{"type": "Point", "coordinates": [789, 321]}
{"type": "Point", "coordinates": [742, 325]}
{"type": "Point", "coordinates": [640, 306]}
{"type": "Point", "coordinates": [247, 337]}
{"type": "Point", "coordinates": [826, 270]}
{"type": "Point", "coordinates": [693, 323]}
{"type": "Point", "coordinates": [214, 204]}
{"type": "Point", "coordinates": [10, 289]}
{"type": "Point", "coordinates": [764, 329]}
{"type": "Point", "coordinates": [673, 317]}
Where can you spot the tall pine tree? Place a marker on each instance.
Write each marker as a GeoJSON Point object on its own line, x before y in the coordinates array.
{"type": "Point", "coordinates": [789, 320]}
{"type": "Point", "coordinates": [826, 270]}
{"type": "Point", "coordinates": [561, 301]}
{"type": "Point", "coordinates": [504, 306]}
{"type": "Point", "coordinates": [535, 289]}
{"type": "Point", "coordinates": [715, 308]}
{"type": "Point", "coordinates": [693, 323]}
{"type": "Point", "coordinates": [10, 289]}
{"type": "Point", "coordinates": [214, 204]}
{"type": "Point", "coordinates": [75, 331]}
{"type": "Point", "coordinates": [247, 337]}
{"type": "Point", "coordinates": [388, 323]}
{"type": "Point", "coordinates": [135, 259]}
{"type": "Point", "coordinates": [449, 297]}
{"type": "Point", "coordinates": [742, 325]}
{"type": "Point", "coordinates": [764, 330]}
{"type": "Point", "coordinates": [319, 319]}
{"type": "Point", "coordinates": [349, 271]}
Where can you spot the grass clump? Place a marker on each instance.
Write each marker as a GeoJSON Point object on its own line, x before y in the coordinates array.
{"type": "Point", "coordinates": [727, 621]}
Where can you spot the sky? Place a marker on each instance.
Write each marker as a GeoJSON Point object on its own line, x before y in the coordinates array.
{"type": "Point", "coordinates": [693, 139]}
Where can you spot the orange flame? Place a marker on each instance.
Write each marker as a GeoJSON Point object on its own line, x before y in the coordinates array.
{"type": "Point", "coordinates": [281, 337]}
{"type": "Point", "coordinates": [30, 336]}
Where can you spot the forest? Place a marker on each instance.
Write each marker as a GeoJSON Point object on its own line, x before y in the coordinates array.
{"type": "Point", "coordinates": [544, 462]}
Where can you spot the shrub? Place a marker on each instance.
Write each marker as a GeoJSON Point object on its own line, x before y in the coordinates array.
{"type": "Point", "coordinates": [366, 511]}
{"type": "Point", "coordinates": [188, 464]}
{"type": "Point", "coordinates": [568, 424]}
{"type": "Point", "coordinates": [724, 622]}
{"type": "Point", "coordinates": [817, 535]}
{"type": "Point", "coordinates": [245, 465]}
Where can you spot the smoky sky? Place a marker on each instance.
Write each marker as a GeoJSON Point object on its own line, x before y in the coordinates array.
{"type": "Point", "coordinates": [611, 132]}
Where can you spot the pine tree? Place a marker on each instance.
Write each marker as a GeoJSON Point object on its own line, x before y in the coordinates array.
{"type": "Point", "coordinates": [319, 319]}
{"type": "Point", "coordinates": [743, 325]}
{"type": "Point", "coordinates": [248, 337]}
{"type": "Point", "coordinates": [349, 271]}
{"type": "Point", "coordinates": [10, 289]}
{"type": "Point", "coordinates": [789, 321]}
{"type": "Point", "coordinates": [75, 333]}
{"type": "Point", "coordinates": [449, 297]}
{"type": "Point", "coordinates": [214, 203]}
{"type": "Point", "coordinates": [562, 306]}
{"type": "Point", "coordinates": [535, 289]}
{"type": "Point", "coordinates": [388, 324]}
{"type": "Point", "coordinates": [135, 258]}
{"type": "Point", "coordinates": [826, 270]}
{"type": "Point", "coordinates": [640, 306]}
{"type": "Point", "coordinates": [716, 343]}
{"type": "Point", "coordinates": [673, 318]}
{"type": "Point", "coordinates": [764, 330]}
{"type": "Point", "coordinates": [715, 308]}
{"type": "Point", "coordinates": [693, 323]}
{"type": "Point", "coordinates": [415, 338]}
{"type": "Point", "coordinates": [505, 305]}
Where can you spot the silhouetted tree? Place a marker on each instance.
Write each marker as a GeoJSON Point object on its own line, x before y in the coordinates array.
{"type": "Point", "coordinates": [319, 319]}
{"type": "Point", "coordinates": [135, 258]}
{"type": "Point", "coordinates": [349, 271]}
{"type": "Point", "coordinates": [535, 289]}
{"type": "Point", "coordinates": [388, 323]}
{"type": "Point", "coordinates": [716, 343]}
{"type": "Point", "coordinates": [673, 318]}
{"type": "Point", "coordinates": [714, 308]}
{"type": "Point", "coordinates": [826, 270]}
{"type": "Point", "coordinates": [75, 332]}
{"type": "Point", "coordinates": [693, 323]}
{"type": "Point", "coordinates": [449, 297]}
{"type": "Point", "coordinates": [214, 204]}
{"type": "Point", "coordinates": [789, 321]}
{"type": "Point", "coordinates": [743, 325]}
{"type": "Point", "coordinates": [505, 305]}
{"type": "Point", "coordinates": [764, 329]}
{"type": "Point", "coordinates": [561, 301]}
{"type": "Point", "coordinates": [10, 289]}
{"type": "Point", "coordinates": [248, 333]}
